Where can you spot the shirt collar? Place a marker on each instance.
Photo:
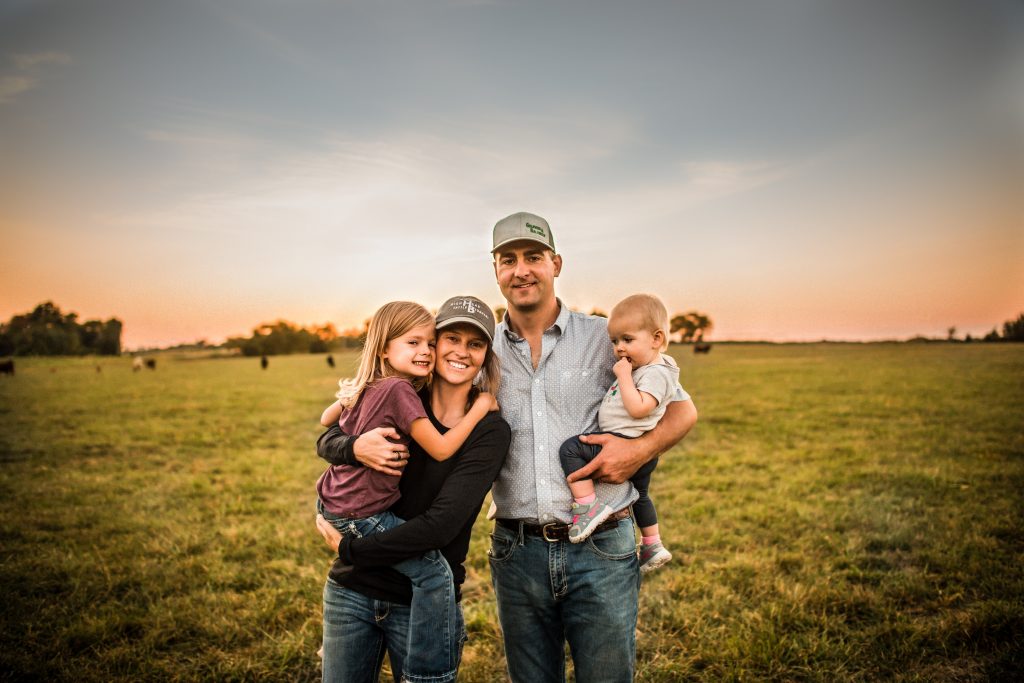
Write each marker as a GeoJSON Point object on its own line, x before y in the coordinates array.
{"type": "Point", "coordinates": [561, 322]}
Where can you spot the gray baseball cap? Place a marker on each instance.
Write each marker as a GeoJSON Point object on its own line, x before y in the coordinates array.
{"type": "Point", "coordinates": [523, 226]}
{"type": "Point", "coordinates": [466, 309]}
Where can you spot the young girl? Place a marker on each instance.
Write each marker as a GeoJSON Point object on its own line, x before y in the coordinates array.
{"type": "Point", "coordinates": [397, 360]}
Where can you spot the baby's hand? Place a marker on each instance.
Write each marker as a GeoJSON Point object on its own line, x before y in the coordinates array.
{"type": "Point", "coordinates": [622, 367]}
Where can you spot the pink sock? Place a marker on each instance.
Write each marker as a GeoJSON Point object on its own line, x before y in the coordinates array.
{"type": "Point", "coordinates": [586, 500]}
{"type": "Point", "coordinates": [648, 540]}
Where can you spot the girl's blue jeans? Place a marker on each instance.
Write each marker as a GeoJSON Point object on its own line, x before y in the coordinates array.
{"type": "Point", "coordinates": [434, 640]}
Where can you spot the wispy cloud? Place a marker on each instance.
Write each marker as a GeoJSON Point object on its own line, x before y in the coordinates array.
{"type": "Point", "coordinates": [12, 86]}
{"type": "Point", "coordinates": [26, 62]}
{"type": "Point", "coordinates": [27, 73]}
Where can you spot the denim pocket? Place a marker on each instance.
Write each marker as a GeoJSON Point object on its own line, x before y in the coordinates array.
{"type": "Point", "coordinates": [614, 544]}
{"type": "Point", "coordinates": [503, 545]}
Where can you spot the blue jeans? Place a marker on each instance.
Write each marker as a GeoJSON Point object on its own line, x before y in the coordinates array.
{"type": "Point", "coordinates": [358, 631]}
{"type": "Point", "coordinates": [433, 631]}
{"type": "Point", "coordinates": [553, 592]}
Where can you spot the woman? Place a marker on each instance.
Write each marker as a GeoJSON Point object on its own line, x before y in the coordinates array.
{"type": "Point", "coordinates": [366, 602]}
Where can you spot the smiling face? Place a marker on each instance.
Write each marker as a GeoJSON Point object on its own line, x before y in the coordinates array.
{"type": "Point", "coordinates": [412, 354]}
{"type": "Point", "coordinates": [526, 274]}
{"type": "Point", "coordinates": [631, 341]}
{"type": "Point", "coordinates": [461, 351]}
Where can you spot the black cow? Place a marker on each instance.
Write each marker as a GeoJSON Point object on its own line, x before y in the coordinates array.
{"type": "Point", "coordinates": [330, 361]}
{"type": "Point", "coordinates": [151, 363]}
{"type": "Point", "coordinates": [264, 362]}
{"type": "Point", "coordinates": [7, 367]}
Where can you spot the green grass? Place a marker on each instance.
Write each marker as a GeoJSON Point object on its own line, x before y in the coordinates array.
{"type": "Point", "coordinates": [841, 512]}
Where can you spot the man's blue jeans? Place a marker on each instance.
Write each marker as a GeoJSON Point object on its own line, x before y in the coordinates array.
{"type": "Point", "coordinates": [553, 592]}
{"type": "Point", "coordinates": [358, 631]}
{"type": "Point", "coordinates": [433, 630]}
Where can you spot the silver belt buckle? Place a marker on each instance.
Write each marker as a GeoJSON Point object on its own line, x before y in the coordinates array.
{"type": "Point", "coordinates": [544, 531]}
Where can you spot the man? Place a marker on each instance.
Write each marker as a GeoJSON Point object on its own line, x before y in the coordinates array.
{"type": "Point", "coordinates": [556, 367]}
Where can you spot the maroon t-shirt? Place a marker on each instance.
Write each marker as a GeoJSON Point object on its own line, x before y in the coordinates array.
{"type": "Point", "coordinates": [349, 491]}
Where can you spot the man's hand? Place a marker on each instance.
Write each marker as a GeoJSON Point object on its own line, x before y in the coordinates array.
{"type": "Point", "coordinates": [375, 451]}
{"type": "Point", "coordinates": [331, 535]}
{"type": "Point", "coordinates": [618, 460]}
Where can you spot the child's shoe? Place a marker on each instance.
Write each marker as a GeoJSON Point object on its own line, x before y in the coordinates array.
{"type": "Point", "coordinates": [586, 518]}
{"type": "Point", "coordinates": [652, 556]}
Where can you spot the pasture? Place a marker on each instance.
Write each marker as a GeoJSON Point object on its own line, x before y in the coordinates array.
{"type": "Point", "coordinates": [841, 512]}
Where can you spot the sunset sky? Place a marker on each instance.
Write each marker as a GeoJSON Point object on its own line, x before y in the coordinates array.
{"type": "Point", "coordinates": [797, 169]}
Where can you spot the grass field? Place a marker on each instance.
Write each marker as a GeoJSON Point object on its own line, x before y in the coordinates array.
{"type": "Point", "coordinates": [840, 513]}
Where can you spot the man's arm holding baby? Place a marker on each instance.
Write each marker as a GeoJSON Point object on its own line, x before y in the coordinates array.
{"type": "Point", "coordinates": [620, 458]}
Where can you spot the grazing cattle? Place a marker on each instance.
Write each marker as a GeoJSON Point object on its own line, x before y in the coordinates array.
{"type": "Point", "coordinates": [136, 364]}
{"type": "Point", "coordinates": [7, 367]}
{"type": "Point", "coordinates": [151, 363]}
{"type": "Point", "coordinates": [99, 368]}
{"type": "Point", "coordinates": [264, 362]}
{"type": "Point", "coordinates": [699, 345]}
{"type": "Point", "coordinates": [330, 361]}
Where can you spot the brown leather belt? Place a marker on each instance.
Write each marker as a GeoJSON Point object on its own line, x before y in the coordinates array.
{"type": "Point", "coordinates": [557, 531]}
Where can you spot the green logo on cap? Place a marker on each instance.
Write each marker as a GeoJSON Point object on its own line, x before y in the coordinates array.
{"type": "Point", "coordinates": [536, 229]}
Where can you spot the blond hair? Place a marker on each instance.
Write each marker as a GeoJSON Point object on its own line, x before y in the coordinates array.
{"type": "Point", "coordinates": [391, 321]}
{"type": "Point", "coordinates": [649, 311]}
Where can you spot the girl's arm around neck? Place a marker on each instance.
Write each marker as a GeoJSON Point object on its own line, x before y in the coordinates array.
{"type": "Point", "coordinates": [331, 414]}
{"type": "Point", "coordinates": [440, 446]}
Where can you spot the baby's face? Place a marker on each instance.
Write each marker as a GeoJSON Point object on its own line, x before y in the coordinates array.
{"type": "Point", "coordinates": [631, 341]}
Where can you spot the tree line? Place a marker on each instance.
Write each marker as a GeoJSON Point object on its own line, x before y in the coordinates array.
{"type": "Point", "coordinates": [1013, 330]}
{"type": "Point", "coordinates": [46, 331]}
{"type": "Point", "coordinates": [271, 339]}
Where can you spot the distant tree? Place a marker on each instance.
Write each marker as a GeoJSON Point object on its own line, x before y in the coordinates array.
{"type": "Point", "coordinates": [968, 338]}
{"type": "Point", "coordinates": [45, 331]}
{"type": "Point", "coordinates": [499, 313]}
{"type": "Point", "coordinates": [690, 326]}
{"type": "Point", "coordinates": [599, 313]}
{"type": "Point", "coordinates": [951, 333]}
{"type": "Point", "coordinates": [282, 336]}
{"type": "Point", "coordinates": [1013, 330]}
{"type": "Point", "coordinates": [992, 336]}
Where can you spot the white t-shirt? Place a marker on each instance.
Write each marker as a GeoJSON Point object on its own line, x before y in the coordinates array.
{"type": "Point", "coordinates": [659, 379]}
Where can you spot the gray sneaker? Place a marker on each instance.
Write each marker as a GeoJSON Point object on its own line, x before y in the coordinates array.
{"type": "Point", "coordinates": [586, 518]}
{"type": "Point", "coordinates": [652, 556]}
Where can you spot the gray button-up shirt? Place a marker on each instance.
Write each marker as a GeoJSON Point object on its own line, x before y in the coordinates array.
{"type": "Point", "coordinates": [545, 407]}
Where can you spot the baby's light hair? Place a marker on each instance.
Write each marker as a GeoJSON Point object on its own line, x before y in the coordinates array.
{"type": "Point", "coordinates": [391, 321]}
{"type": "Point", "coordinates": [651, 313]}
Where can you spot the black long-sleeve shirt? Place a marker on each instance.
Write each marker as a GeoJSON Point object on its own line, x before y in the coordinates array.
{"type": "Point", "coordinates": [440, 501]}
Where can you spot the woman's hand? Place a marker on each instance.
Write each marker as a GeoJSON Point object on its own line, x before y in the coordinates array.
{"type": "Point", "coordinates": [375, 451]}
{"type": "Point", "coordinates": [332, 536]}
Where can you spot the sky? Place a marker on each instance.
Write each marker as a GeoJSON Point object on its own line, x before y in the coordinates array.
{"type": "Point", "coordinates": [795, 169]}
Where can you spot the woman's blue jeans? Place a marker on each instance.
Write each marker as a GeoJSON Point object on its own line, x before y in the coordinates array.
{"type": "Point", "coordinates": [358, 630]}
{"type": "Point", "coordinates": [433, 629]}
{"type": "Point", "coordinates": [553, 592]}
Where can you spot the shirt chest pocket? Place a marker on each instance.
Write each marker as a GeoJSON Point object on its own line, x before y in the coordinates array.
{"type": "Point", "coordinates": [578, 386]}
